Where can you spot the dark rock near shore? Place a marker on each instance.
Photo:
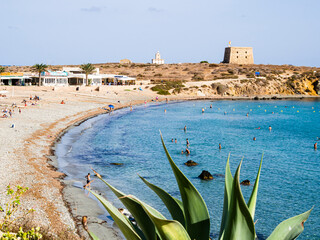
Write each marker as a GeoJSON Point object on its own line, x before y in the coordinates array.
{"type": "Point", "coordinates": [245, 182]}
{"type": "Point", "coordinates": [205, 175]}
{"type": "Point", "coordinates": [118, 164]}
{"type": "Point", "coordinates": [190, 163]}
{"type": "Point", "coordinates": [256, 98]}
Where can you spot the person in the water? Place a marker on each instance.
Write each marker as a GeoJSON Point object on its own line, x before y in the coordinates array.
{"type": "Point", "coordinates": [187, 141]}
{"type": "Point", "coordinates": [220, 146]}
{"type": "Point", "coordinates": [210, 105]}
{"type": "Point", "coordinates": [175, 140]}
{"type": "Point", "coordinates": [202, 110]}
{"type": "Point", "coordinates": [185, 128]}
{"type": "Point", "coordinates": [254, 138]}
{"type": "Point", "coordinates": [270, 128]}
{"type": "Point", "coordinates": [187, 151]}
{"type": "Point", "coordinates": [315, 146]}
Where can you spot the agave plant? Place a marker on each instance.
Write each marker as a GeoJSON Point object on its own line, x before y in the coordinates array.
{"type": "Point", "coordinates": [190, 217]}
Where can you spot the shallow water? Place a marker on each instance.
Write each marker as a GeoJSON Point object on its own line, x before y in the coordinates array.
{"type": "Point", "coordinates": [290, 176]}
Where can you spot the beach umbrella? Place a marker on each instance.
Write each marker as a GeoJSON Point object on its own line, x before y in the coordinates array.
{"type": "Point", "coordinates": [111, 106]}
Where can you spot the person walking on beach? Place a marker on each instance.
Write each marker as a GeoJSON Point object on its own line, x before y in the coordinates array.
{"type": "Point", "coordinates": [315, 146]}
{"type": "Point", "coordinates": [19, 110]}
{"type": "Point", "coordinates": [88, 180]}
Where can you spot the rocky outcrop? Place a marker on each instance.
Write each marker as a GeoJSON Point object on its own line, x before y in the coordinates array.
{"type": "Point", "coordinates": [190, 163]}
{"type": "Point", "coordinates": [245, 182]}
{"type": "Point", "coordinates": [205, 175]}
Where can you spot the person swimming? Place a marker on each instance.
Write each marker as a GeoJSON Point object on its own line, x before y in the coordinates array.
{"type": "Point", "coordinates": [315, 146]}
{"type": "Point", "coordinates": [187, 151]}
{"type": "Point", "coordinates": [187, 141]}
{"type": "Point", "coordinates": [258, 128]}
{"type": "Point", "coordinates": [175, 140]}
{"type": "Point", "coordinates": [210, 105]}
{"type": "Point", "coordinates": [202, 110]}
{"type": "Point", "coordinates": [254, 138]}
{"type": "Point", "coordinates": [172, 140]}
{"type": "Point", "coordinates": [270, 128]}
{"type": "Point", "coordinates": [185, 128]}
{"type": "Point", "coordinates": [220, 146]}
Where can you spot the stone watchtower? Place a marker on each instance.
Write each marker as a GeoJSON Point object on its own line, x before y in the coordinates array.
{"type": "Point", "coordinates": [238, 55]}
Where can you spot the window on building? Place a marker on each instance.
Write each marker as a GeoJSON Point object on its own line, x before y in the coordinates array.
{"type": "Point", "coordinates": [237, 57]}
{"type": "Point", "coordinates": [246, 52]}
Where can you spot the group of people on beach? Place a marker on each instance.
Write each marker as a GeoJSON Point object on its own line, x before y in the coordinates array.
{"type": "Point", "coordinates": [8, 112]}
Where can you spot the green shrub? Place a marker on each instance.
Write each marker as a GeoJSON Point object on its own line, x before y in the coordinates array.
{"type": "Point", "coordinates": [204, 62]}
{"type": "Point", "coordinates": [32, 234]}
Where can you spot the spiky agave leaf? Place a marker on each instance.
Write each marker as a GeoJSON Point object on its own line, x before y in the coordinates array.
{"type": "Point", "coordinates": [167, 229]}
{"type": "Point", "coordinates": [141, 217]}
{"type": "Point", "coordinates": [195, 209]}
{"type": "Point", "coordinates": [174, 205]}
{"type": "Point", "coordinates": [122, 222]}
{"type": "Point", "coordinates": [239, 222]}
{"type": "Point", "coordinates": [291, 228]}
{"type": "Point", "coordinates": [227, 197]}
{"type": "Point", "coordinates": [93, 236]}
{"type": "Point", "coordinates": [253, 198]}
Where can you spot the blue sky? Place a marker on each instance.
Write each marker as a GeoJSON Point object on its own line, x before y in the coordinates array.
{"type": "Point", "coordinates": [99, 31]}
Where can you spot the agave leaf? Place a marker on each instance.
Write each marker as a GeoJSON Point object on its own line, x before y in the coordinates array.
{"type": "Point", "coordinates": [239, 221]}
{"type": "Point", "coordinates": [93, 236]}
{"type": "Point", "coordinates": [227, 197]}
{"type": "Point", "coordinates": [195, 209]}
{"type": "Point", "coordinates": [253, 198]}
{"type": "Point", "coordinates": [122, 222]}
{"type": "Point", "coordinates": [174, 205]}
{"type": "Point", "coordinates": [141, 217]}
{"type": "Point", "coordinates": [167, 229]}
{"type": "Point", "coordinates": [291, 228]}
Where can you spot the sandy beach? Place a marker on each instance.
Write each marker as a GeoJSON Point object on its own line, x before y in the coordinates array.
{"type": "Point", "coordinates": [27, 158]}
{"type": "Point", "coordinates": [26, 147]}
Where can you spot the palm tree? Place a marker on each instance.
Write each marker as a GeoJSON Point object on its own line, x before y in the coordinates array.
{"type": "Point", "coordinates": [88, 69]}
{"type": "Point", "coordinates": [39, 68]}
{"type": "Point", "coordinates": [2, 69]}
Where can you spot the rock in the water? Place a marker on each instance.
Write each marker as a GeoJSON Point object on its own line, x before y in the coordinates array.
{"type": "Point", "coordinates": [205, 175]}
{"type": "Point", "coordinates": [190, 163]}
{"type": "Point", "coordinates": [245, 182]}
{"type": "Point", "coordinates": [118, 164]}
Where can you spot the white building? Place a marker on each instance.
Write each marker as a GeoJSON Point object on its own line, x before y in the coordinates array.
{"type": "Point", "coordinates": [157, 59]}
{"type": "Point", "coordinates": [51, 78]}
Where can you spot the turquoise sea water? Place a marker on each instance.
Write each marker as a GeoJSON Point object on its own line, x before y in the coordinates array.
{"type": "Point", "coordinates": [290, 176]}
